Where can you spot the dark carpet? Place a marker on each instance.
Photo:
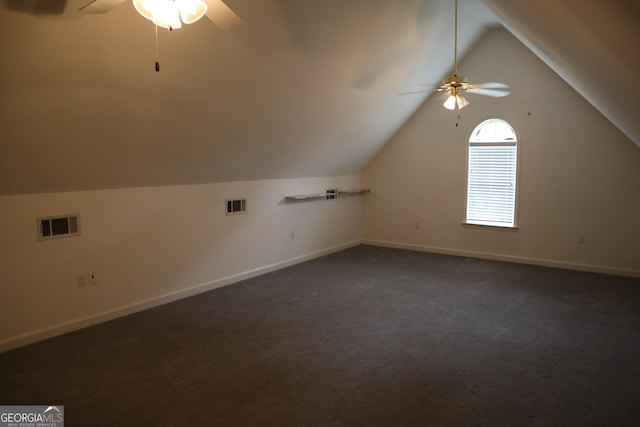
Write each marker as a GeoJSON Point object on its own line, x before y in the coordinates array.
{"type": "Point", "coordinates": [364, 337]}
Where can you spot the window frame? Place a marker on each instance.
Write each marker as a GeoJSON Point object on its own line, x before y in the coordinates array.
{"type": "Point", "coordinates": [517, 143]}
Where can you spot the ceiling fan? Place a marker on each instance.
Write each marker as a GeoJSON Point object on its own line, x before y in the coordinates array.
{"type": "Point", "coordinates": [171, 14]}
{"type": "Point", "coordinates": [454, 85]}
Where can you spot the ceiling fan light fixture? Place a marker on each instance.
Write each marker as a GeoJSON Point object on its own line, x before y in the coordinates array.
{"type": "Point", "coordinates": [145, 8]}
{"type": "Point", "coordinates": [455, 100]}
{"type": "Point", "coordinates": [462, 102]}
{"type": "Point", "coordinates": [450, 103]}
{"type": "Point", "coordinates": [171, 13]}
{"type": "Point", "coordinates": [166, 14]}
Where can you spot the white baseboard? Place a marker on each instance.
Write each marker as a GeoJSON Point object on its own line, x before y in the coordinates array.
{"type": "Point", "coordinates": [508, 258]}
{"type": "Point", "coordinates": [73, 325]}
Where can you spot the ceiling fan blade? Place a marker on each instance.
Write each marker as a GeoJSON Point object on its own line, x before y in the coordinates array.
{"type": "Point", "coordinates": [100, 6]}
{"type": "Point", "coordinates": [489, 85]}
{"type": "Point", "coordinates": [430, 88]}
{"type": "Point", "coordinates": [494, 93]}
{"type": "Point", "coordinates": [221, 14]}
{"type": "Point", "coordinates": [415, 91]}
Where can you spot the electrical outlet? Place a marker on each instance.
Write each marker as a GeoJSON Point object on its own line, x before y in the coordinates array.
{"type": "Point", "coordinates": [92, 277]}
{"type": "Point", "coordinates": [81, 279]}
{"type": "Point", "coordinates": [581, 239]}
{"type": "Point", "coordinates": [293, 235]}
{"type": "Point", "coordinates": [416, 225]}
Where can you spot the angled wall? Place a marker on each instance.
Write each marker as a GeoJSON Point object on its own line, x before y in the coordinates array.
{"type": "Point", "coordinates": [578, 174]}
{"type": "Point", "coordinates": [153, 245]}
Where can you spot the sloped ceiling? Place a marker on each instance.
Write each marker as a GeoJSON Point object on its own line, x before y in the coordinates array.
{"type": "Point", "coordinates": [593, 45]}
{"type": "Point", "coordinates": [302, 88]}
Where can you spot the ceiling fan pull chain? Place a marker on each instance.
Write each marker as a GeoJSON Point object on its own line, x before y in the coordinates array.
{"type": "Point", "coordinates": [157, 59]}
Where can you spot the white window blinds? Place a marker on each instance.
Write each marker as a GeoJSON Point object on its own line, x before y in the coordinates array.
{"type": "Point", "coordinates": [491, 175]}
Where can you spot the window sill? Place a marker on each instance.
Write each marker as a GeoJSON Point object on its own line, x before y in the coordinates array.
{"type": "Point", "coordinates": [490, 226]}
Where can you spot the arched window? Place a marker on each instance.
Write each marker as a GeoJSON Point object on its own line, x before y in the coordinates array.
{"type": "Point", "coordinates": [491, 174]}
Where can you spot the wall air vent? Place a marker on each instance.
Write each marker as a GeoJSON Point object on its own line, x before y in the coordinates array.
{"type": "Point", "coordinates": [55, 227]}
{"type": "Point", "coordinates": [236, 206]}
{"type": "Point", "coordinates": [331, 193]}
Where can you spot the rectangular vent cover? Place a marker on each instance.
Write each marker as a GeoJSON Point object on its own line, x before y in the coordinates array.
{"type": "Point", "coordinates": [236, 206]}
{"type": "Point", "coordinates": [55, 227]}
{"type": "Point", "coordinates": [331, 193]}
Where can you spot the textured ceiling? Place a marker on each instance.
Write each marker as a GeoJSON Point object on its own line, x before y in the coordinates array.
{"type": "Point", "coordinates": [301, 88]}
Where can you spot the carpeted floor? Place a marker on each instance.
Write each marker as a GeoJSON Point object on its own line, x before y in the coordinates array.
{"type": "Point", "coordinates": [364, 337]}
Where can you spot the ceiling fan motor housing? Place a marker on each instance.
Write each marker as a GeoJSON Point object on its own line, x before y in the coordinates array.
{"type": "Point", "coordinates": [456, 81]}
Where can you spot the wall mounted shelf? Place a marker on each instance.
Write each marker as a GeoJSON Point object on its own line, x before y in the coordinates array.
{"type": "Point", "coordinates": [328, 195]}
{"type": "Point", "coordinates": [354, 192]}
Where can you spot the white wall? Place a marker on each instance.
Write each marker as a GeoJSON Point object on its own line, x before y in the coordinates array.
{"type": "Point", "coordinates": [578, 174]}
{"type": "Point", "coordinates": [156, 244]}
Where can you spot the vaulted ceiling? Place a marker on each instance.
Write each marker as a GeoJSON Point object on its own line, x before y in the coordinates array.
{"type": "Point", "coordinates": [301, 88]}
